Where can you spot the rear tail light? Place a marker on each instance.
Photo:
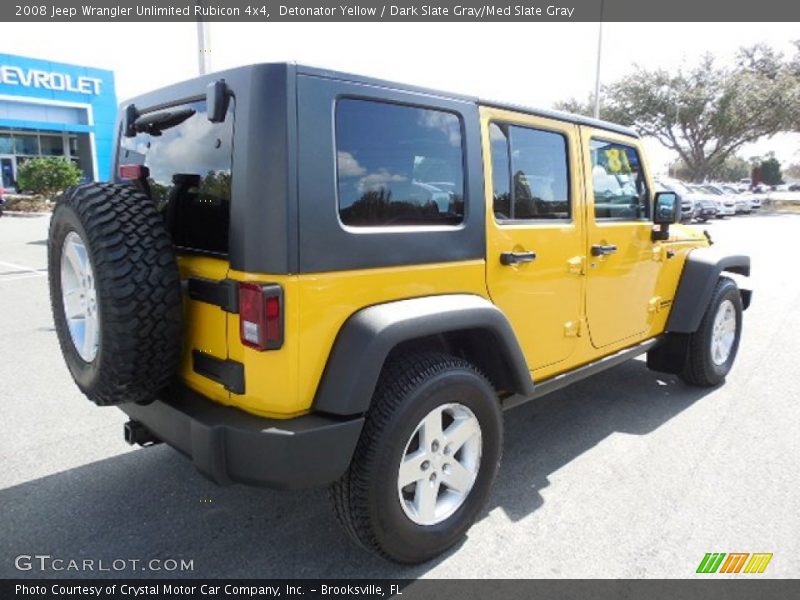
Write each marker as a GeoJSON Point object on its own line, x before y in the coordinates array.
{"type": "Point", "coordinates": [133, 172]}
{"type": "Point", "coordinates": [261, 316]}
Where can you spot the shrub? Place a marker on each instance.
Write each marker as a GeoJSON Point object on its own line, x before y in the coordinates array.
{"type": "Point", "coordinates": [47, 175]}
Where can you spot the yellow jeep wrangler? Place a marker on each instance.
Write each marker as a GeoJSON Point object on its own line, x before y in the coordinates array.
{"type": "Point", "coordinates": [303, 278]}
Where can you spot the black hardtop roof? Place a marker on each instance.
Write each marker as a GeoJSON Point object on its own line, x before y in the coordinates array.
{"type": "Point", "coordinates": [157, 97]}
{"type": "Point", "coordinates": [550, 114]}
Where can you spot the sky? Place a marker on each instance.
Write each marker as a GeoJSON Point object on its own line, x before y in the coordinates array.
{"type": "Point", "coordinates": [535, 64]}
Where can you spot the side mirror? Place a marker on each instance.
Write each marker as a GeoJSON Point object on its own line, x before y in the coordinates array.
{"type": "Point", "coordinates": [666, 208]}
{"type": "Point", "coordinates": [217, 97]}
{"type": "Point", "coordinates": [666, 211]}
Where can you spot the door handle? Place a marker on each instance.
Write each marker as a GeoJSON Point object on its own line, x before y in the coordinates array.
{"type": "Point", "coordinates": [515, 258]}
{"type": "Point", "coordinates": [603, 250]}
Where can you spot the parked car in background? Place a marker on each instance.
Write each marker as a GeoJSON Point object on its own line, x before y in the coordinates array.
{"type": "Point", "coordinates": [726, 207]}
{"type": "Point", "coordinates": [703, 208]}
{"type": "Point", "coordinates": [794, 187]}
{"type": "Point", "coordinates": [745, 197]}
{"type": "Point", "coordinates": [753, 199]}
{"type": "Point", "coordinates": [741, 204]}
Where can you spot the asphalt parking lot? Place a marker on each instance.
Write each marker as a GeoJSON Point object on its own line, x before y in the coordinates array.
{"type": "Point", "coordinates": [627, 474]}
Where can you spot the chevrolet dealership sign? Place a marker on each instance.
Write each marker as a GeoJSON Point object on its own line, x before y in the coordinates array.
{"type": "Point", "coordinates": [49, 80]}
{"type": "Point", "coordinates": [49, 98]}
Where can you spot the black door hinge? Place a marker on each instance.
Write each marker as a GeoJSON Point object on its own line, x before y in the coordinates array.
{"type": "Point", "coordinates": [229, 373]}
{"type": "Point", "coordinates": [224, 294]}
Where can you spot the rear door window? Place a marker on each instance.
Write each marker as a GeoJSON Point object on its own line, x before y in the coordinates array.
{"type": "Point", "coordinates": [530, 174]}
{"type": "Point", "coordinates": [189, 159]}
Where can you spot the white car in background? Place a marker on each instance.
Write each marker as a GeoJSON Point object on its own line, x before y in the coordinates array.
{"type": "Point", "coordinates": [745, 197]}
{"type": "Point", "coordinates": [741, 203]}
{"type": "Point", "coordinates": [726, 206]}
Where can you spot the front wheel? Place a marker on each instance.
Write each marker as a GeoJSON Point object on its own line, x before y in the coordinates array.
{"type": "Point", "coordinates": [426, 460]}
{"type": "Point", "coordinates": [713, 347]}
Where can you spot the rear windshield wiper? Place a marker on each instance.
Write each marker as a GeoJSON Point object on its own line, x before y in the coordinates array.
{"type": "Point", "coordinates": [155, 123]}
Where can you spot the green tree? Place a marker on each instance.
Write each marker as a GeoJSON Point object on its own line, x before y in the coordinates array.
{"type": "Point", "coordinates": [770, 170]}
{"type": "Point", "coordinates": [706, 114]}
{"type": "Point", "coordinates": [47, 175]}
{"type": "Point", "coordinates": [793, 171]}
{"type": "Point", "coordinates": [733, 169]}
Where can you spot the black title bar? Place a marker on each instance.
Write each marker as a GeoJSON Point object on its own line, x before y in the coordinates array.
{"type": "Point", "coordinates": [704, 587]}
{"type": "Point", "coordinates": [377, 10]}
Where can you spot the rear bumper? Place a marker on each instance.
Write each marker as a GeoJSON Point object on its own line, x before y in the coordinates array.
{"type": "Point", "coordinates": [228, 445]}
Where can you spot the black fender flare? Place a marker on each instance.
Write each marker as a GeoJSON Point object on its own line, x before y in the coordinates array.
{"type": "Point", "coordinates": [700, 274]}
{"type": "Point", "coordinates": [369, 335]}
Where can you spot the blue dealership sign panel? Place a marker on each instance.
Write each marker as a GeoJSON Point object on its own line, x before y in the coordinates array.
{"type": "Point", "coordinates": [57, 109]}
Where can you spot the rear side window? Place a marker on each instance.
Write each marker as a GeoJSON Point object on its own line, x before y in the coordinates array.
{"type": "Point", "coordinates": [530, 176]}
{"type": "Point", "coordinates": [398, 165]}
{"type": "Point", "coordinates": [189, 160]}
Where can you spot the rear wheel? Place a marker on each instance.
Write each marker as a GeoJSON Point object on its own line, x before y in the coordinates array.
{"type": "Point", "coordinates": [713, 347]}
{"type": "Point", "coordinates": [426, 460]}
{"type": "Point", "coordinates": [115, 293]}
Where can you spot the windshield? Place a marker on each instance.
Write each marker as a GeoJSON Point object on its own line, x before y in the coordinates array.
{"type": "Point", "coordinates": [712, 190]}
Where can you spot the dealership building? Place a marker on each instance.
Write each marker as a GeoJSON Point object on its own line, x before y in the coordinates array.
{"type": "Point", "coordinates": [55, 109]}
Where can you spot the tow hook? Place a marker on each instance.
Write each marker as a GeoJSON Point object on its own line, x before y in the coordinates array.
{"type": "Point", "coordinates": [137, 433]}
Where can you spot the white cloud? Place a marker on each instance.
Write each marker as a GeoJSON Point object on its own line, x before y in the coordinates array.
{"type": "Point", "coordinates": [447, 123]}
{"type": "Point", "coordinates": [376, 181]}
{"type": "Point", "coordinates": [348, 166]}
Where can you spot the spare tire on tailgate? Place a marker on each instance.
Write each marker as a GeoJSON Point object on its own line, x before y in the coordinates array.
{"type": "Point", "coordinates": [115, 292]}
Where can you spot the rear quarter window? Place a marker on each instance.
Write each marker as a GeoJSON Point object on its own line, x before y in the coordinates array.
{"type": "Point", "coordinates": [189, 159]}
{"type": "Point", "coordinates": [398, 165]}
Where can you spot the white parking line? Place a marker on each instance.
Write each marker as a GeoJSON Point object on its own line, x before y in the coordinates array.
{"type": "Point", "coordinates": [18, 277]}
{"type": "Point", "coordinates": [36, 272]}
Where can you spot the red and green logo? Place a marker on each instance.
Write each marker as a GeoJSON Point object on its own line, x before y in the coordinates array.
{"type": "Point", "coordinates": [734, 562]}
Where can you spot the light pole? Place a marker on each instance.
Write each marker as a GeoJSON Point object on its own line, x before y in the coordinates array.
{"type": "Point", "coordinates": [597, 73]}
{"type": "Point", "coordinates": [203, 47]}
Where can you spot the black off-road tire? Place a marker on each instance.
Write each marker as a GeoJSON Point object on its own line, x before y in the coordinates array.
{"type": "Point", "coordinates": [137, 288]}
{"type": "Point", "coordinates": [366, 498]}
{"type": "Point", "coordinates": [699, 368]}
